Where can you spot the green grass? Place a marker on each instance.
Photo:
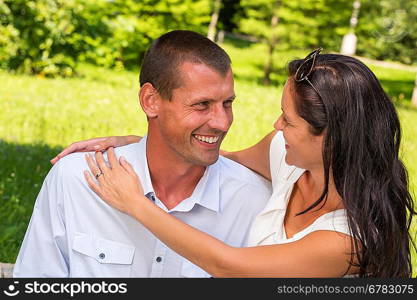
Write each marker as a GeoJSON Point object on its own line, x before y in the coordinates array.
{"type": "Point", "coordinates": [39, 116]}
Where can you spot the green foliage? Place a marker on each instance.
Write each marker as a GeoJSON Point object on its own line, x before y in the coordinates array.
{"type": "Point", "coordinates": [8, 36]}
{"type": "Point", "coordinates": [49, 37]}
{"type": "Point", "coordinates": [315, 23]}
{"type": "Point", "coordinates": [35, 36]}
{"type": "Point", "coordinates": [388, 30]}
{"type": "Point", "coordinates": [257, 19]}
{"type": "Point", "coordinates": [119, 32]}
{"type": "Point", "coordinates": [302, 24]}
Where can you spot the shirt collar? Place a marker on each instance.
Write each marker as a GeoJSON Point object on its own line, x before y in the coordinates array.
{"type": "Point", "coordinates": [206, 193]}
{"type": "Point", "coordinates": [142, 168]}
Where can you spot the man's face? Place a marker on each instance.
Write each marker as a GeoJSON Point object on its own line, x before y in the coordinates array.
{"type": "Point", "coordinates": [195, 121]}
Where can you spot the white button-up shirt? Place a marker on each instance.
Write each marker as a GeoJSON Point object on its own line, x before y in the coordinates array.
{"type": "Point", "coordinates": [73, 233]}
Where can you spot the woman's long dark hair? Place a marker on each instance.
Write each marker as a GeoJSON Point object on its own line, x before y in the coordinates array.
{"type": "Point", "coordinates": [362, 138]}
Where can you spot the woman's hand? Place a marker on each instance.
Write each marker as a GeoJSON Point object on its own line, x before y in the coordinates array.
{"type": "Point", "coordinates": [97, 144]}
{"type": "Point", "coordinates": [117, 184]}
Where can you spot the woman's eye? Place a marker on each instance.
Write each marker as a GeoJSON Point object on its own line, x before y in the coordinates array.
{"type": "Point", "coordinates": [286, 122]}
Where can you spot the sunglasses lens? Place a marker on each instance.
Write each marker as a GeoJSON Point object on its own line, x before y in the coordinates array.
{"type": "Point", "coordinates": [304, 69]}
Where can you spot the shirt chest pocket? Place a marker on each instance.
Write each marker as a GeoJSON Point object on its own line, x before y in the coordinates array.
{"type": "Point", "coordinates": [98, 257]}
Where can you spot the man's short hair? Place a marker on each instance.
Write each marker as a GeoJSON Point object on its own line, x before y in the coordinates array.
{"type": "Point", "coordinates": [160, 66]}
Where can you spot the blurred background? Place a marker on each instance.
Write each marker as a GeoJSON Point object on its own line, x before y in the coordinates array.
{"type": "Point", "coordinates": [69, 71]}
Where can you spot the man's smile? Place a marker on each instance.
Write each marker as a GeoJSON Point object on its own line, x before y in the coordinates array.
{"type": "Point", "coordinates": [209, 139]}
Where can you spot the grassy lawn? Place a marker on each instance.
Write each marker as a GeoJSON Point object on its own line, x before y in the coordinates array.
{"type": "Point", "coordinates": [39, 116]}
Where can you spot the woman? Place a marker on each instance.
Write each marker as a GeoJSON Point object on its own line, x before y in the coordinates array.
{"type": "Point", "coordinates": [340, 203]}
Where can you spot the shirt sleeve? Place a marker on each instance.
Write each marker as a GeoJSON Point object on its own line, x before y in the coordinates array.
{"type": "Point", "coordinates": [43, 252]}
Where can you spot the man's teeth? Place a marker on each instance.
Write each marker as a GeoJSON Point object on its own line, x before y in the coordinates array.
{"type": "Point", "coordinates": [207, 139]}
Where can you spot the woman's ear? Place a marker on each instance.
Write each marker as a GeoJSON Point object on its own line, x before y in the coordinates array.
{"type": "Point", "coordinates": [150, 100]}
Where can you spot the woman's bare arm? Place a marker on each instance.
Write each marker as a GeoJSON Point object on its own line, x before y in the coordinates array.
{"type": "Point", "coordinates": [256, 157]}
{"type": "Point", "coordinates": [97, 144]}
{"type": "Point", "coordinates": [319, 254]}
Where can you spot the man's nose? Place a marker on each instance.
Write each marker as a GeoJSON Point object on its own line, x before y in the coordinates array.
{"type": "Point", "coordinates": [221, 118]}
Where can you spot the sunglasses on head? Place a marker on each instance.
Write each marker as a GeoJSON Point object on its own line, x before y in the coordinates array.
{"type": "Point", "coordinates": [305, 69]}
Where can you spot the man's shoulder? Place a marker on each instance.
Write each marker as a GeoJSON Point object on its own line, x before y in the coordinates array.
{"type": "Point", "coordinates": [129, 151]}
{"type": "Point", "coordinates": [237, 172]}
{"type": "Point", "coordinates": [77, 158]}
{"type": "Point", "coordinates": [70, 163]}
{"type": "Point", "coordinates": [75, 163]}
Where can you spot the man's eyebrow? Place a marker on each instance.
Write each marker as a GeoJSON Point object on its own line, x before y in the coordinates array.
{"type": "Point", "coordinates": [203, 99]}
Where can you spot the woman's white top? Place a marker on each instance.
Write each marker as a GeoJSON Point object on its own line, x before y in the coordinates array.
{"type": "Point", "coordinates": [268, 226]}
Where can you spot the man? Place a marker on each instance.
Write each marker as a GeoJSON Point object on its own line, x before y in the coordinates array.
{"type": "Point", "coordinates": [186, 93]}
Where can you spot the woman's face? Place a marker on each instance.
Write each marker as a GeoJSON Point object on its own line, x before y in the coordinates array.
{"type": "Point", "coordinates": [304, 150]}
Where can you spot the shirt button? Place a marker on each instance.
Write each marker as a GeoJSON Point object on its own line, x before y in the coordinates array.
{"type": "Point", "coordinates": [158, 259]}
{"type": "Point", "coordinates": [102, 256]}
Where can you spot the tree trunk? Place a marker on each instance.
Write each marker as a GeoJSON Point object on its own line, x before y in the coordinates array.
{"type": "Point", "coordinates": [271, 46]}
{"type": "Point", "coordinates": [211, 34]}
{"type": "Point", "coordinates": [350, 40]}
{"type": "Point", "coordinates": [269, 65]}
{"type": "Point", "coordinates": [414, 97]}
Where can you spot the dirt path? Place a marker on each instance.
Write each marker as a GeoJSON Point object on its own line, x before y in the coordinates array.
{"type": "Point", "coordinates": [388, 64]}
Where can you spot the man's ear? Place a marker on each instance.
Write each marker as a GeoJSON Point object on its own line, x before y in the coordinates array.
{"type": "Point", "coordinates": [150, 100]}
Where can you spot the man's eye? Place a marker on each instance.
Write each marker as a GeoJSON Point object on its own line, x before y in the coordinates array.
{"type": "Point", "coordinates": [228, 103]}
{"type": "Point", "coordinates": [201, 105]}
